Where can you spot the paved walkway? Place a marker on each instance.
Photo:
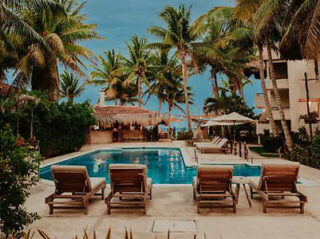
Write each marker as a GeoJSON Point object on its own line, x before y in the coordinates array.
{"type": "Point", "coordinates": [175, 203]}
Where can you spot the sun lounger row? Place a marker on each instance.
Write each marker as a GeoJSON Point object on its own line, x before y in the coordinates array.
{"type": "Point", "coordinates": [216, 145]}
{"type": "Point", "coordinates": [130, 187]}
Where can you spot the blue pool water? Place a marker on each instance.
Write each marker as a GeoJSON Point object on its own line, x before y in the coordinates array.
{"type": "Point", "coordinates": [165, 165]}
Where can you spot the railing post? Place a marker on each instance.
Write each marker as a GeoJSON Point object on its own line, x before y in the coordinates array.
{"type": "Point", "coordinates": [240, 150]}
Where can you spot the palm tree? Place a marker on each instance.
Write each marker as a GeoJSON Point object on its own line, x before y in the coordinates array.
{"type": "Point", "coordinates": [108, 74]}
{"type": "Point", "coordinates": [163, 69]}
{"type": "Point", "coordinates": [21, 101]}
{"type": "Point", "coordinates": [175, 95]}
{"type": "Point", "coordinates": [180, 33]}
{"type": "Point", "coordinates": [15, 33]}
{"type": "Point", "coordinates": [301, 31]}
{"type": "Point", "coordinates": [12, 24]}
{"type": "Point", "coordinates": [69, 87]}
{"type": "Point", "coordinates": [269, 14]}
{"type": "Point", "coordinates": [137, 64]}
{"type": "Point", "coordinates": [61, 33]}
{"type": "Point", "coordinates": [245, 11]}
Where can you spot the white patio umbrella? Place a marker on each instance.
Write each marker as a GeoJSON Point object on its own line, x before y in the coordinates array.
{"type": "Point", "coordinates": [216, 123]}
{"type": "Point", "coordinates": [233, 118]}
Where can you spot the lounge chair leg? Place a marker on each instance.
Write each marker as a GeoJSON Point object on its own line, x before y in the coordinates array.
{"type": "Point", "coordinates": [102, 193]}
{"type": "Point", "coordinates": [198, 207]}
{"type": "Point", "coordinates": [302, 208]}
{"type": "Point", "coordinates": [109, 210]}
{"type": "Point", "coordinates": [251, 193]}
{"type": "Point", "coordinates": [264, 207]}
{"type": "Point", "coordinates": [144, 209]}
{"type": "Point", "coordinates": [85, 205]}
{"type": "Point", "coordinates": [150, 194]}
{"type": "Point", "coordinates": [234, 207]}
{"type": "Point", "coordinates": [50, 209]}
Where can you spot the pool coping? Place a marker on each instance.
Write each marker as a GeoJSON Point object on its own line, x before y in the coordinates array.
{"type": "Point", "coordinates": [187, 159]}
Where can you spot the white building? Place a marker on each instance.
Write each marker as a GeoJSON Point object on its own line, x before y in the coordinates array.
{"type": "Point", "coordinates": [290, 77]}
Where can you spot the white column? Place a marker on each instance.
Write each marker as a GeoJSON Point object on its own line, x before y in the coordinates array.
{"type": "Point", "coordinates": [102, 98]}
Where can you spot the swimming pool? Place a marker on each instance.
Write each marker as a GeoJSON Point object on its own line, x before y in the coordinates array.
{"type": "Point", "coordinates": [165, 165]}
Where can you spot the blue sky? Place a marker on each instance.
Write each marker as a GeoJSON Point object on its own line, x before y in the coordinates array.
{"type": "Point", "coordinates": [119, 20]}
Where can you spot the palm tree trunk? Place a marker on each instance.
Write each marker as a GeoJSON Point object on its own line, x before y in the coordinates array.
{"type": "Point", "coordinates": [31, 122]}
{"type": "Point", "coordinates": [185, 86]}
{"type": "Point", "coordinates": [241, 89]}
{"type": "Point", "coordinates": [159, 106]}
{"type": "Point", "coordinates": [265, 94]}
{"type": "Point", "coordinates": [215, 83]}
{"type": "Point", "coordinates": [115, 101]}
{"type": "Point", "coordinates": [169, 116]}
{"type": "Point", "coordinates": [139, 91]}
{"type": "Point", "coordinates": [47, 81]}
{"type": "Point", "coordinates": [278, 100]}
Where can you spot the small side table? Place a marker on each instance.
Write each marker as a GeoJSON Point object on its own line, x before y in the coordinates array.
{"type": "Point", "coordinates": [241, 181]}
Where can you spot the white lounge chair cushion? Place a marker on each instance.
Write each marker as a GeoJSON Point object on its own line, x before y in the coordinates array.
{"type": "Point", "coordinates": [95, 182]}
{"type": "Point", "coordinates": [127, 166]}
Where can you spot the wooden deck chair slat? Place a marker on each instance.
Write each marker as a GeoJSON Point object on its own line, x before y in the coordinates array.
{"type": "Point", "coordinates": [279, 180]}
{"type": "Point", "coordinates": [73, 182]}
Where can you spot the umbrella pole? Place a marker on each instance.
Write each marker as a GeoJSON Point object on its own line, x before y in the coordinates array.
{"type": "Point", "coordinates": [234, 135]}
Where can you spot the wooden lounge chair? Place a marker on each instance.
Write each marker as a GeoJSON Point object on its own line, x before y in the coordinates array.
{"type": "Point", "coordinates": [277, 182]}
{"type": "Point", "coordinates": [213, 187]}
{"type": "Point", "coordinates": [73, 182]}
{"type": "Point", "coordinates": [221, 146]}
{"type": "Point", "coordinates": [129, 186]}
{"type": "Point", "coordinates": [214, 141]}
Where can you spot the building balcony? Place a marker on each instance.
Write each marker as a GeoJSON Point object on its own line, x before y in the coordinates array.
{"type": "Point", "coordinates": [276, 114]}
{"type": "Point", "coordinates": [259, 101]}
{"type": "Point", "coordinates": [261, 127]}
{"type": "Point", "coordinates": [281, 83]}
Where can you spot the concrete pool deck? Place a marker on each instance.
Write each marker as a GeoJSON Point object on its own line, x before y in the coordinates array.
{"type": "Point", "coordinates": [175, 203]}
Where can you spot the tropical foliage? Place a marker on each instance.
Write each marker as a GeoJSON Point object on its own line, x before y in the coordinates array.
{"type": "Point", "coordinates": [59, 127]}
{"type": "Point", "coordinates": [70, 87]}
{"type": "Point", "coordinates": [18, 170]}
{"type": "Point", "coordinates": [38, 35]}
{"type": "Point", "coordinates": [181, 34]}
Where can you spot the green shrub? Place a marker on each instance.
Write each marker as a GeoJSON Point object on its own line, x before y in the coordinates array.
{"type": "Point", "coordinates": [271, 144]}
{"type": "Point", "coordinates": [62, 127]}
{"type": "Point", "coordinates": [18, 172]}
{"type": "Point", "coordinates": [185, 135]}
{"type": "Point", "coordinates": [315, 151]}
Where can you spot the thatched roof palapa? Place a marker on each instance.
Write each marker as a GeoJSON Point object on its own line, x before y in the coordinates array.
{"type": "Point", "coordinates": [127, 115]}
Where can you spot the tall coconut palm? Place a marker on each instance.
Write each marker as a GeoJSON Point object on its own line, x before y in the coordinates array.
{"type": "Point", "coordinates": [108, 74]}
{"type": "Point", "coordinates": [16, 33]}
{"type": "Point", "coordinates": [180, 33]}
{"type": "Point", "coordinates": [12, 24]}
{"type": "Point", "coordinates": [70, 87]}
{"type": "Point", "coordinates": [164, 69]}
{"type": "Point", "coordinates": [62, 34]}
{"type": "Point", "coordinates": [269, 14]}
{"type": "Point", "coordinates": [137, 63]}
{"type": "Point", "coordinates": [175, 95]}
{"type": "Point", "coordinates": [301, 31]}
{"type": "Point", "coordinates": [226, 47]}
{"type": "Point", "coordinates": [245, 11]}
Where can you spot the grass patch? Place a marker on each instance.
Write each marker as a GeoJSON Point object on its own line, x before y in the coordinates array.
{"type": "Point", "coordinates": [261, 151]}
